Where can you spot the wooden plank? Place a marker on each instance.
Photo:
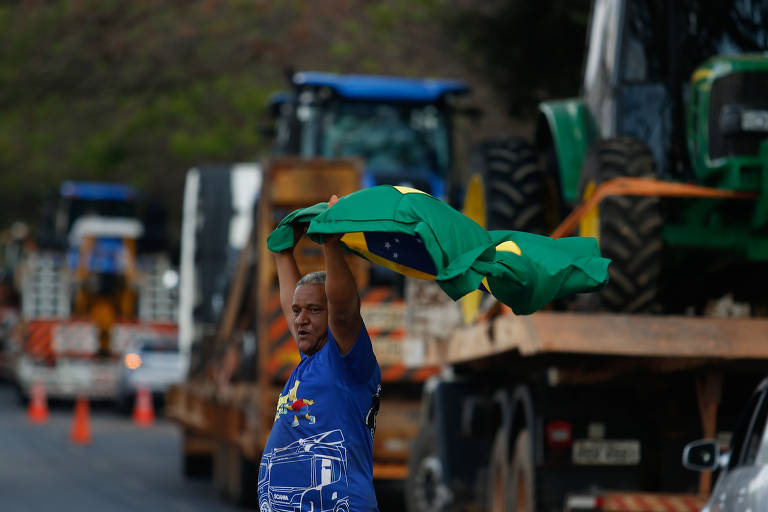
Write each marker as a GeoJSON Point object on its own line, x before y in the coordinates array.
{"type": "Point", "coordinates": [608, 334]}
{"type": "Point", "coordinates": [297, 182]}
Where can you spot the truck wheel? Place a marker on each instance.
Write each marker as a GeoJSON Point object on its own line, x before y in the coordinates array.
{"type": "Point", "coordinates": [195, 462]}
{"type": "Point", "coordinates": [424, 489]}
{"type": "Point", "coordinates": [234, 475]}
{"type": "Point", "coordinates": [628, 228]}
{"type": "Point", "coordinates": [221, 469]}
{"type": "Point", "coordinates": [521, 476]}
{"type": "Point", "coordinates": [507, 188]}
{"type": "Point", "coordinates": [264, 506]}
{"type": "Point", "coordinates": [498, 473]}
{"type": "Point", "coordinates": [196, 466]}
{"type": "Point", "coordinates": [124, 404]}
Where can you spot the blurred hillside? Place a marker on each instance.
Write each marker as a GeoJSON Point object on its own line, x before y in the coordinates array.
{"type": "Point", "coordinates": [140, 91]}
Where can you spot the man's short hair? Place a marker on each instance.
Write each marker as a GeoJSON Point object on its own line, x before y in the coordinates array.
{"type": "Point", "coordinates": [312, 278]}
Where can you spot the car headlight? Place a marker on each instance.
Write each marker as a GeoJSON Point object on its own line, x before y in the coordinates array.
{"type": "Point", "coordinates": [132, 360]}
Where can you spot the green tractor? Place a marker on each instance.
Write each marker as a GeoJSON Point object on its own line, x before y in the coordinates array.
{"type": "Point", "coordinates": [676, 91]}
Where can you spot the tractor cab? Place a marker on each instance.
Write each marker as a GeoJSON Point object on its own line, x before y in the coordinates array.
{"type": "Point", "coordinates": [400, 127]}
{"type": "Point", "coordinates": [651, 67]}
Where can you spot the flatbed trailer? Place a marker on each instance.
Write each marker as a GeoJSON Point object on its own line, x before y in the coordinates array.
{"type": "Point", "coordinates": [579, 411]}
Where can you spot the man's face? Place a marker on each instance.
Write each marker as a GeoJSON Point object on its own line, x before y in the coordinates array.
{"type": "Point", "coordinates": [310, 317]}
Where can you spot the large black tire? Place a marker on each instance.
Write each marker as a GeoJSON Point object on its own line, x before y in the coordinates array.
{"type": "Point", "coordinates": [522, 491]}
{"type": "Point", "coordinates": [498, 473]}
{"type": "Point", "coordinates": [514, 185]}
{"type": "Point", "coordinates": [196, 466]}
{"type": "Point", "coordinates": [235, 482]}
{"type": "Point", "coordinates": [425, 490]}
{"type": "Point", "coordinates": [194, 463]}
{"type": "Point", "coordinates": [628, 228]}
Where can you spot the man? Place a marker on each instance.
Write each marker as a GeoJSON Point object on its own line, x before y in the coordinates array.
{"type": "Point", "coordinates": [319, 455]}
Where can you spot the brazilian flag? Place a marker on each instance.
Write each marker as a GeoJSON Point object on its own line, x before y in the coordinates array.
{"type": "Point", "coordinates": [417, 235]}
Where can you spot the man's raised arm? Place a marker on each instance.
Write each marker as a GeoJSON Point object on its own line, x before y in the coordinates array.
{"type": "Point", "coordinates": [287, 277]}
{"type": "Point", "coordinates": [344, 317]}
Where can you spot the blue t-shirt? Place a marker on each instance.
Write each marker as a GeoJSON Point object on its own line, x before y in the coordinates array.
{"type": "Point", "coordinates": [319, 455]}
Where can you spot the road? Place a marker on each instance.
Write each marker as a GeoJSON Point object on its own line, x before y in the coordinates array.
{"type": "Point", "coordinates": [124, 468]}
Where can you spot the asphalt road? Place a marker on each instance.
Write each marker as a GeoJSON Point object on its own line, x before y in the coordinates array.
{"type": "Point", "coordinates": [124, 468]}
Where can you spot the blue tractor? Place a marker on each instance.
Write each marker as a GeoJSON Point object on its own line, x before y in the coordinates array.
{"type": "Point", "coordinates": [402, 128]}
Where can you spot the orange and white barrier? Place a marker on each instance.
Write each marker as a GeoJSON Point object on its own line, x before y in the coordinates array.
{"type": "Point", "coordinates": [652, 502]}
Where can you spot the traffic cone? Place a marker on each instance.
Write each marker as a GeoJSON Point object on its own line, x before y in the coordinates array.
{"type": "Point", "coordinates": [81, 428]}
{"type": "Point", "coordinates": [143, 410]}
{"type": "Point", "coordinates": [38, 405]}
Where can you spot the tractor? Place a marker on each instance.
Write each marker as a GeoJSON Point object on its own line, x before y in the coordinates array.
{"type": "Point", "coordinates": [667, 145]}
{"type": "Point", "coordinates": [402, 128]}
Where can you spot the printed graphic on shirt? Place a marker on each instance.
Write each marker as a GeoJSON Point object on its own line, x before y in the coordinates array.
{"type": "Point", "coordinates": [300, 476]}
{"type": "Point", "coordinates": [299, 407]}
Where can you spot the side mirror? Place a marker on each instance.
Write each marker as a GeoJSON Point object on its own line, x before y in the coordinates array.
{"type": "Point", "coordinates": [702, 455]}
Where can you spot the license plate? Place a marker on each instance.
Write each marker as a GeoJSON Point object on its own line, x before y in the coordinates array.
{"type": "Point", "coordinates": [588, 452]}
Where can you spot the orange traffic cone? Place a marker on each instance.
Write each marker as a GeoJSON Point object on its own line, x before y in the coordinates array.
{"type": "Point", "coordinates": [143, 410]}
{"type": "Point", "coordinates": [81, 428]}
{"type": "Point", "coordinates": [38, 406]}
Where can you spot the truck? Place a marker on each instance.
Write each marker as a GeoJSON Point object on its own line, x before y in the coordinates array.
{"type": "Point", "coordinates": [588, 404]}
{"type": "Point", "coordinates": [284, 488]}
{"type": "Point", "coordinates": [91, 285]}
{"type": "Point", "coordinates": [578, 411]}
{"type": "Point", "coordinates": [333, 135]}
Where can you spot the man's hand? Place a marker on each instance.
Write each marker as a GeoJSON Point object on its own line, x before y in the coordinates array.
{"type": "Point", "coordinates": [332, 238]}
{"type": "Point", "coordinates": [299, 230]}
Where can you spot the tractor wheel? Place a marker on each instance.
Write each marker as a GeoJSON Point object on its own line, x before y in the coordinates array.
{"type": "Point", "coordinates": [522, 496]}
{"type": "Point", "coordinates": [424, 489]}
{"type": "Point", "coordinates": [628, 228]}
{"type": "Point", "coordinates": [507, 187]}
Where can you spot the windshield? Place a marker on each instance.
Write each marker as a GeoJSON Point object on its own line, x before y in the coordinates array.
{"type": "Point", "coordinates": [700, 29]}
{"type": "Point", "coordinates": [738, 26]}
{"type": "Point", "coordinates": [391, 138]}
{"type": "Point", "coordinates": [292, 473]}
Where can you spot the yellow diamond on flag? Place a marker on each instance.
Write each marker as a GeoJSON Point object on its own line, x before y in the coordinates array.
{"type": "Point", "coordinates": [509, 246]}
{"type": "Point", "coordinates": [409, 190]}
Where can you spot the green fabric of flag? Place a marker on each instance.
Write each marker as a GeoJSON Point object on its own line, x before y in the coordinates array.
{"type": "Point", "coordinates": [420, 236]}
{"type": "Point", "coordinates": [550, 268]}
{"type": "Point", "coordinates": [281, 237]}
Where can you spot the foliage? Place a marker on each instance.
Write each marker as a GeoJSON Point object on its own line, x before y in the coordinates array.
{"type": "Point", "coordinates": [140, 91]}
{"type": "Point", "coordinates": [530, 51]}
